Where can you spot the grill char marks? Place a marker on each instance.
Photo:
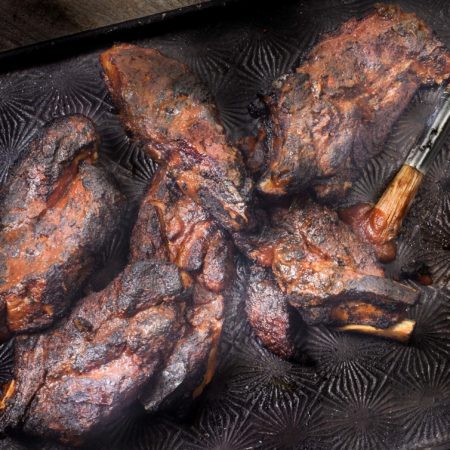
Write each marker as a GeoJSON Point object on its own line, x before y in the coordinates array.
{"type": "Point", "coordinates": [51, 226]}
{"type": "Point", "coordinates": [333, 114]}
{"type": "Point", "coordinates": [165, 106]}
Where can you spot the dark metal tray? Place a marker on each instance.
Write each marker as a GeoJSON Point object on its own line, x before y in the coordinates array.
{"type": "Point", "coordinates": [359, 392]}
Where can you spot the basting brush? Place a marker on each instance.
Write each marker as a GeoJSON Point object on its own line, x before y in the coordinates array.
{"type": "Point", "coordinates": [381, 223]}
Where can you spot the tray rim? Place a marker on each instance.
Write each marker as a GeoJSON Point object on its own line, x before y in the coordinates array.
{"type": "Point", "coordinates": [63, 47]}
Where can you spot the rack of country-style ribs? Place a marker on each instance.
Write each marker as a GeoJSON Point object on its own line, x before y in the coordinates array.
{"type": "Point", "coordinates": [152, 334]}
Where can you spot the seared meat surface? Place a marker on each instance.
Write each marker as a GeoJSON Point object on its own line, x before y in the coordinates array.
{"type": "Point", "coordinates": [165, 106]}
{"type": "Point", "coordinates": [322, 269]}
{"type": "Point", "coordinates": [190, 238]}
{"type": "Point", "coordinates": [200, 249]}
{"type": "Point", "coordinates": [333, 114]}
{"type": "Point", "coordinates": [51, 225]}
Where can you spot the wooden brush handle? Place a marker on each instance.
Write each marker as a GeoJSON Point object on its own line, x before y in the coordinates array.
{"type": "Point", "coordinates": [388, 214]}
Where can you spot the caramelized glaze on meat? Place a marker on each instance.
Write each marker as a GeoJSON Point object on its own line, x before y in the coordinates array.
{"type": "Point", "coordinates": [164, 105]}
{"type": "Point", "coordinates": [332, 115]}
{"type": "Point", "coordinates": [51, 226]}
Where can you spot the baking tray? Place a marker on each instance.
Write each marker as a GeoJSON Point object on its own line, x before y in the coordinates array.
{"type": "Point", "coordinates": [358, 392]}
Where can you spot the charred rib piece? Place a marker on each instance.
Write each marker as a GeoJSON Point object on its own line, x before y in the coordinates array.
{"type": "Point", "coordinates": [332, 115]}
{"type": "Point", "coordinates": [52, 225]}
{"type": "Point", "coordinates": [324, 270]}
{"type": "Point", "coordinates": [165, 106]}
{"type": "Point", "coordinates": [70, 380]}
{"type": "Point", "coordinates": [194, 243]}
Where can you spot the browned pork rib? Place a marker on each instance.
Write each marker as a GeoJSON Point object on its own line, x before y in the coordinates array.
{"type": "Point", "coordinates": [163, 104]}
{"type": "Point", "coordinates": [322, 269]}
{"type": "Point", "coordinates": [153, 329]}
{"type": "Point", "coordinates": [333, 114]}
{"type": "Point", "coordinates": [52, 225]}
{"type": "Point", "coordinates": [192, 241]}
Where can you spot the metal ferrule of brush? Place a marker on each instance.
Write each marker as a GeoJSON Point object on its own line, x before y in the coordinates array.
{"type": "Point", "coordinates": [422, 155]}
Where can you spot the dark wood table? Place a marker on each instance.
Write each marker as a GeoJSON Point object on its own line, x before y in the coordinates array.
{"type": "Point", "coordinates": [24, 22]}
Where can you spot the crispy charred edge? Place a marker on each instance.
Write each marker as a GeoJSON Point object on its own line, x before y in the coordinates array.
{"type": "Point", "coordinates": [112, 79]}
{"type": "Point", "coordinates": [369, 304]}
{"type": "Point", "coordinates": [282, 185]}
{"type": "Point", "coordinates": [278, 327]}
{"type": "Point", "coordinates": [379, 289]}
{"type": "Point", "coordinates": [39, 352]}
{"type": "Point", "coordinates": [207, 370]}
{"type": "Point", "coordinates": [369, 301]}
{"type": "Point", "coordinates": [211, 364]}
{"type": "Point", "coordinates": [423, 325]}
{"type": "Point", "coordinates": [87, 151]}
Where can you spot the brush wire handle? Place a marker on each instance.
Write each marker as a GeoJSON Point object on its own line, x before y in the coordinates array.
{"type": "Point", "coordinates": [422, 155]}
{"type": "Point", "coordinates": [390, 210]}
